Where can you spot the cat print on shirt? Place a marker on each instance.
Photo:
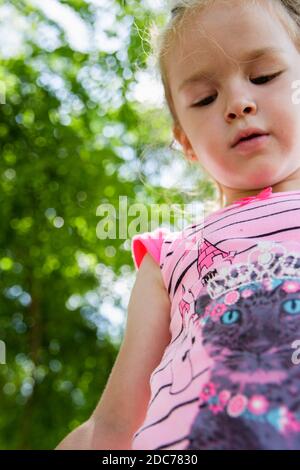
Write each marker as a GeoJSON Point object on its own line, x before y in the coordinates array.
{"type": "Point", "coordinates": [252, 398]}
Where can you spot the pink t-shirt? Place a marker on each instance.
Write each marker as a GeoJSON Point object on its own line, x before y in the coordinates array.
{"type": "Point", "coordinates": [229, 378]}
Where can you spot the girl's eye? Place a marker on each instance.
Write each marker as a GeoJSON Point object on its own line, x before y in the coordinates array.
{"type": "Point", "coordinates": [265, 78]}
{"type": "Point", "coordinates": [204, 102]}
{"type": "Point", "coordinates": [257, 81]}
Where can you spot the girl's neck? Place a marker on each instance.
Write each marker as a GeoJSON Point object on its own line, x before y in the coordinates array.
{"type": "Point", "coordinates": [232, 195]}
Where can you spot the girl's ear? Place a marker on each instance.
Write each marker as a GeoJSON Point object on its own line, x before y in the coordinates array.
{"type": "Point", "coordinates": [181, 137]}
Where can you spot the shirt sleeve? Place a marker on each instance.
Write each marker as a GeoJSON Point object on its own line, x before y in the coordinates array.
{"type": "Point", "coordinates": [148, 242]}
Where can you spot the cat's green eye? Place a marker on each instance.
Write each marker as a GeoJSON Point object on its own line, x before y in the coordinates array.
{"type": "Point", "coordinates": [292, 306]}
{"type": "Point", "coordinates": [230, 317]}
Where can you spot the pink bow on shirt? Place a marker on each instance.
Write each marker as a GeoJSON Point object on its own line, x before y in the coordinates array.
{"type": "Point", "coordinates": [262, 195]}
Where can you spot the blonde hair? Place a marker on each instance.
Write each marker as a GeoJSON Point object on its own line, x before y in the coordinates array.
{"type": "Point", "coordinates": [288, 12]}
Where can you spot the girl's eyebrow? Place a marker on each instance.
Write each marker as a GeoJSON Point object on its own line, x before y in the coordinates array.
{"type": "Point", "coordinates": [249, 56]}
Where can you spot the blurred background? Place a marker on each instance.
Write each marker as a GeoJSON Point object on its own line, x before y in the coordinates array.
{"type": "Point", "coordinates": [82, 122]}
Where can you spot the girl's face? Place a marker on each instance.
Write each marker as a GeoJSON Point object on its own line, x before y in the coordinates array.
{"type": "Point", "coordinates": [233, 96]}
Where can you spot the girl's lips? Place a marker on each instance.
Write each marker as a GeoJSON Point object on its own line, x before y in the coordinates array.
{"type": "Point", "coordinates": [251, 145]}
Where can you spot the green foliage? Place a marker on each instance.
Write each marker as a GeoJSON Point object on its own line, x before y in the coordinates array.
{"type": "Point", "coordinates": [63, 126]}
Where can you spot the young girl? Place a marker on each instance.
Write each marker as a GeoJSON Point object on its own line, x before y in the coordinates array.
{"type": "Point", "coordinates": [209, 359]}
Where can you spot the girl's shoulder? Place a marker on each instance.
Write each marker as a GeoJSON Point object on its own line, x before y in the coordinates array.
{"type": "Point", "coordinates": [159, 243]}
{"type": "Point", "coordinates": [169, 249]}
{"type": "Point", "coordinates": [150, 242]}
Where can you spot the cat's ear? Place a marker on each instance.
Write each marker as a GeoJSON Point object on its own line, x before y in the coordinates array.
{"type": "Point", "coordinates": [201, 303]}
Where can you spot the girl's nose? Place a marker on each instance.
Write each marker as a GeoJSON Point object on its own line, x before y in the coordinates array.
{"type": "Point", "coordinates": [239, 108]}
